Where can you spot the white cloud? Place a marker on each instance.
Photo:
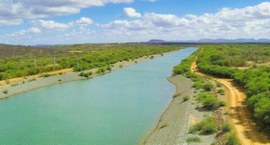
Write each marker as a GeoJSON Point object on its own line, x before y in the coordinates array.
{"type": "Point", "coordinates": [30, 31]}
{"type": "Point", "coordinates": [165, 20]}
{"type": "Point", "coordinates": [248, 22]}
{"type": "Point", "coordinates": [50, 25]}
{"type": "Point", "coordinates": [130, 12]}
{"type": "Point", "coordinates": [83, 21]}
{"type": "Point", "coordinates": [13, 12]}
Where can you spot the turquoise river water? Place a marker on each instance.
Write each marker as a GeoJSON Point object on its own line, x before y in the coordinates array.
{"type": "Point", "coordinates": [118, 108]}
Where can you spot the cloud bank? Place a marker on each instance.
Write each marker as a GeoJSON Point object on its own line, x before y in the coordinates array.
{"type": "Point", "coordinates": [247, 22]}
{"type": "Point", "coordinates": [13, 12]}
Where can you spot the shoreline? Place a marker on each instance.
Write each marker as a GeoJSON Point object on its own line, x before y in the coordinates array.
{"type": "Point", "coordinates": [172, 127]}
{"type": "Point", "coordinates": [37, 82]}
{"type": "Point", "coordinates": [174, 123]}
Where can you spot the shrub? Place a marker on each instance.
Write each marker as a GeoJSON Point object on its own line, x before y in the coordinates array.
{"type": "Point", "coordinates": [13, 85]}
{"type": "Point", "coordinates": [206, 126]}
{"type": "Point", "coordinates": [231, 140]}
{"type": "Point", "coordinates": [193, 139]}
{"type": "Point", "coordinates": [176, 95]}
{"type": "Point", "coordinates": [209, 101]}
{"type": "Point", "coordinates": [185, 98]}
{"type": "Point", "coordinates": [5, 91]}
{"type": "Point", "coordinates": [45, 75]}
{"type": "Point", "coordinates": [208, 86]}
{"type": "Point", "coordinates": [100, 71]}
{"type": "Point", "coordinates": [163, 125]}
{"type": "Point", "coordinates": [82, 74]}
{"type": "Point", "coordinates": [221, 91]}
{"type": "Point", "coordinates": [226, 127]}
{"type": "Point", "coordinates": [109, 68]}
{"type": "Point", "coordinates": [219, 85]}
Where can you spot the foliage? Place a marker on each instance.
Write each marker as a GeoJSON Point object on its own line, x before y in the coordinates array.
{"type": "Point", "coordinates": [226, 127]}
{"type": "Point", "coordinates": [224, 60]}
{"type": "Point", "coordinates": [86, 74]}
{"type": "Point", "coordinates": [5, 91]}
{"type": "Point", "coordinates": [205, 127]}
{"type": "Point", "coordinates": [185, 98]}
{"type": "Point", "coordinates": [193, 139]}
{"type": "Point", "coordinates": [221, 91]}
{"type": "Point", "coordinates": [21, 61]}
{"type": "Point", "coordinates": [231, 140]}
{"type": "Point", "coordinates": [209, 101]}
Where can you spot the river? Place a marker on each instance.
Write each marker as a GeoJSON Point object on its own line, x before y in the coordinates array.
{"type": "Point", "coordinates": [118, 108]}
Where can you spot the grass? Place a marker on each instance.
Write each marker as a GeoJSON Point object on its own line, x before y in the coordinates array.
{"type": "Point", "coordinates": [205, 127]}
{"type": "Point", "coordinates": [176, 95]}
{"type": "Point", "coordinates": [46, 75]}
{"type": "Point", "coordinates": [219, 85]}
{"type": "Point", "coordinates": [86, 74]}
{"type": "Point", "coordinates": [5, 91]}
{"type": "Point", "coordinates": [163, 125]}
{"type": "Point", "coordinates": [226, 127]}
{"type": "Point", "coordinates": [210, 102]}
{"type": "Point", "coordinates": [221, 92]}
{"type": "Point", "coordinates": [193, 139]}
{"type": "Point", "coordinates": [185, 98]}
{"type": "Point", "coordinates": [231, 140]}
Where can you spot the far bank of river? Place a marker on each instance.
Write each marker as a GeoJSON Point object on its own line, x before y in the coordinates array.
{"type": "Point", "coordinates": [114, 109]}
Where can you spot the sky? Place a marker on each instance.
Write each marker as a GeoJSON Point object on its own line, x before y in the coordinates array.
{"type": "Point", "coordinates": [31, 22]}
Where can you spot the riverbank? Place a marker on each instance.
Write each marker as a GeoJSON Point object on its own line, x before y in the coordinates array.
{"type": "Point", "coordinates": [20, 85]}
{"type": "Point", "coordinates": [182, 113]}
{"type": "Point", "coordinates": [172, 127]}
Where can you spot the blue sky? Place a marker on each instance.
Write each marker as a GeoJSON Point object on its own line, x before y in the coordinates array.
{"type": "Point", "coordinates": [29, 22]}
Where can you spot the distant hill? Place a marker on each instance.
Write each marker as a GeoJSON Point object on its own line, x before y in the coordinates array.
{"type": "Point", "coordinates": [154, 41]}
{"type": "Point", "coordinates": [240, 40]}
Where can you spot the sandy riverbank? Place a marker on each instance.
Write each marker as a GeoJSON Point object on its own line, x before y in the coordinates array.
{"type": "Point", "coordinates": [20, 85]}
{"type": "Point", "coordinates": [172, 128]}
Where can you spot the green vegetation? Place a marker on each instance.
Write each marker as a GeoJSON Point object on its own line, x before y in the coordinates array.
{"type": "Point", "coordinates": [20, 61]}
{"type": "Point", "coordinates": [86, 74]}
{"type": "Point", "coordinates": [176, 95]}
{"type": "Point", "coordinates": [45, 75]}
{"type": "Point", "coordinates": [163, 125]}
{"type": "Point", "coordinates": [226, 127]}
{"type": "Point", "coordinates": [5, 91]}
{"type": "Point", "coordinates": [231, 140]}
{"type": "Point", "coordinates": [209, 101]}
{"type": "Point", "coordinates": [193, 139]}
{"type": "Point", "coordinates": [221, 91]}
{"type": "Point", "coordinates": [185, 98]}
{"type": "Point", "coordinates": [237, 62]}
{"type": "Point", "coordinates": [205, 127]}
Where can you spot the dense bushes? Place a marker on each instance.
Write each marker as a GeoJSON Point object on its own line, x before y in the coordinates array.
{"type": "Point", "coordinates": [222, 60]}
{"type": "Point", "coordinates": [206, 126]}
{"type": "Point", "coordinates": [31, 61]}
{"type": "Point", "coordinates": [209, 101]}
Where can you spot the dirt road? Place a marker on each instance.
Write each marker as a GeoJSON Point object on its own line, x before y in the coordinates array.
{"type": "Point", "coordinates": [240, 118]}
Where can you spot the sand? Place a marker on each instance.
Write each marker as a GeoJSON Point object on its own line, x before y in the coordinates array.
{"type": "Point", "coordinates": [172, 127]}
